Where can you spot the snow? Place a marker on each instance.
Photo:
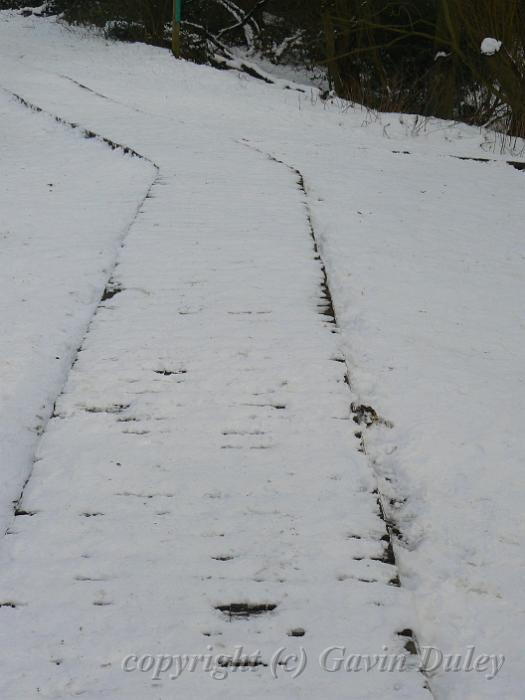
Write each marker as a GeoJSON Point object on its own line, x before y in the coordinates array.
{"type": "Point", "coordinates": [207, 416]}
{"type": "Point", "coordinates": [61, 221]}
{"type": "Point", "coordinates": [490, 46]}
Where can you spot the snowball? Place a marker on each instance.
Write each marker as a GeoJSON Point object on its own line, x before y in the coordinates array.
{"type": "Point", "coordinates": [490, 46]}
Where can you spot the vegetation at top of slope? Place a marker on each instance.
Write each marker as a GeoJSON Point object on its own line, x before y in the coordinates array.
{"type": "Point", "coordinates": [416, 56]}
{"type": "Point", "coordinates": [426, 56]}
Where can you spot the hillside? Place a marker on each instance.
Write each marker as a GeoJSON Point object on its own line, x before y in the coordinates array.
{"type": "Point", "coordinates": [262, 385]}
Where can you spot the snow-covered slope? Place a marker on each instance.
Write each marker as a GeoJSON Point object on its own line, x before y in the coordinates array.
{"type": "Point", "coordinates": [206, 427]}
{"type": "Point", "coordinates": [65, 204]}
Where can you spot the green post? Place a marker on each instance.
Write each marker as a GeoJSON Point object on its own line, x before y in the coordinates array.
{"type": "Point", "coordinates": [175, 37]}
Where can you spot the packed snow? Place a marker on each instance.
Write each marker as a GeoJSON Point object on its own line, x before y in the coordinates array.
{"type": "Point", "coordinates": [202, 455]}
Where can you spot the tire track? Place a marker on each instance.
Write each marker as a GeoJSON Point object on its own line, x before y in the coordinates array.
{"type": "Point", "coordinates": [109, 285]}
{"type": "Point", "coordinates": [363, 416]}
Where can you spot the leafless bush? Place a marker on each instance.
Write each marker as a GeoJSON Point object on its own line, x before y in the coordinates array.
{"type": "Point", "coordinates": [425, 56]}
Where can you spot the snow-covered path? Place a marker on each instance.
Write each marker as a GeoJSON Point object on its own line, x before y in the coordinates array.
{"type": "Point", "coordinates": [203, 453]}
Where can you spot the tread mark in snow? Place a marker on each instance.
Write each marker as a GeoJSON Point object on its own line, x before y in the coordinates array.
{"type": "Point", "coordinates": [277, 406]}
{"type": "Point", "coordinates": [115, 408]}
{"type": "Point", "coordinates": [144, 495]}
{"type": "Point", "coordinates": [90, 578]}
{"type": "Point", "coordinates": [245, 610]}
{"type": "Point", "coordinates": [243, 662]}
